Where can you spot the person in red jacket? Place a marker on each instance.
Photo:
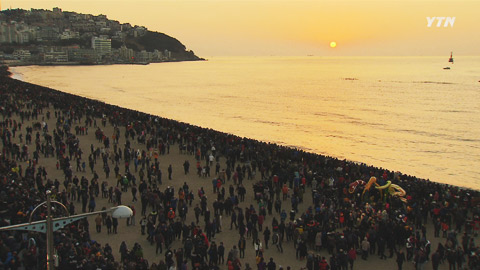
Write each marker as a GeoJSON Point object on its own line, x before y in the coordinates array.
{"type": "Point", "coordinates": [323, 265]}
{"type": "Point", "coordinates": [171, 214]}
{"type": "Point", "coordinates": [352, 256]}
{"type": "Point", "coordinates": [260, 221]}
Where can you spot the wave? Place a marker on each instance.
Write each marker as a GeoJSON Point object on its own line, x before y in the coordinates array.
{"type": "Point", "coordinates": [451, 111]}
{"type": "Point", "coordinates": [336, 117]}
{"type": "Point", "coordinates": [433, 82]}
{"type": "Point", "coordinates": [261, 121]}
{"type": "Point", "coordinates": [435, 135]}
{"type": "Point", "coordinates": [423, 82]}
{"type": "Point", "coordinates": [16, 74]}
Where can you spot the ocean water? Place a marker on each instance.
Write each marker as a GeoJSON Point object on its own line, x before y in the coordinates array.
{"type": "Point", "coordinates": [404, 114]}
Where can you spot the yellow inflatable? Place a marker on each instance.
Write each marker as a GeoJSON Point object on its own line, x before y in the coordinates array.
{"type": "Point", "coordinates": [388, 188]}
{"type": "Point", "coordinates": [384, 186]}
{"type": "Point", "coordinates": [381, 188]}
{"type": "Point", "coordinates": [393, 190]}
{"type": "Point", "coordinates": [396, 190]}
{"type": "Point", "coordinates": [371, 182]}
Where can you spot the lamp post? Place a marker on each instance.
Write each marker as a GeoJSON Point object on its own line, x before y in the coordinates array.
{"type": "Point", "coordinates": [51, 224]}
{"type": "Point", "coordinates": [50, 256]}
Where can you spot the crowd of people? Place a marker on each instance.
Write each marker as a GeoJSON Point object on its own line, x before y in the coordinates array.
{"type": "Point", "coordinates": [298, 199]}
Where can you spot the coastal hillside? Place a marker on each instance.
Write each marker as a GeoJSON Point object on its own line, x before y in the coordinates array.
{"type": "Point", "coordinates": [40, 36]}
{"type": "Point", "coordinates": [152, 41]}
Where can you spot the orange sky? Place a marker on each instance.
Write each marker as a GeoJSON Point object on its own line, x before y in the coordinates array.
{"type": "Point", "coordinates": [294, 27]}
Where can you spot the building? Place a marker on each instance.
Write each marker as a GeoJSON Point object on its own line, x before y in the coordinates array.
{"type": "Point", "coordinates": [22, 55]}
{"type": "Point", "coordinates": [14, 32]}
{"type": "Point", "coordinates": [119, 36]}
{"type": "Point", "coordinates": [144, 56]}
{"type": "Point", "coordinates": [7, 33]}
{"type": "Point", "coordinates": [68, 34]}
{"type": "Point", "coordinates": [167, 55]}
{"type": "Point", "coordinates": [55, 57]}
{"type": "Point", "coordinates": [139, 31]}
{"type": "Point", "coordinates": [22, 36]}
{"type": "Point", "coordinates": [84, 56]}
{"type": "Point", "coordinates": [126, 54]}
{"type": "Point", "coordinates": [102, 46]}
{"type": "Point", "coordinates": [157, 55]}
{"type": "Point", "coordinates": [48, 33]}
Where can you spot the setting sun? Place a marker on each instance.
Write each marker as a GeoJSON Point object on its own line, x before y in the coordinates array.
{"type": "Point", "coordinates": [333, 44]}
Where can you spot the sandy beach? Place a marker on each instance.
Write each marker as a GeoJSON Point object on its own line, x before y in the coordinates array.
{"type": "Point", "coordinates": [132, 234]}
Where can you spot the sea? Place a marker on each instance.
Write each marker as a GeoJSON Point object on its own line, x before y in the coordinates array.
{"type": "Point", "coordinates": [405, 114]}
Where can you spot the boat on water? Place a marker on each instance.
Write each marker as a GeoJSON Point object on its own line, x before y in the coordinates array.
{"type": "Point", "coordinates": [450, 60]}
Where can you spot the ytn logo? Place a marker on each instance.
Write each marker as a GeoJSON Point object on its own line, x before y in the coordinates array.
{"type": "Point", "coordinates": [448, 21]}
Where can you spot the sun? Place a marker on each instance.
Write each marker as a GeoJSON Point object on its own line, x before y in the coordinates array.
{"type": "Point", "coordinates": [333, 44]}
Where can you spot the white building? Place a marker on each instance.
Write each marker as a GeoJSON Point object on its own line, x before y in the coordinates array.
{"type": "Point", "coordinates": [102, 45]}
{"type": "Point", "coordinates": [7, 33]}
{"type": "Point", "coordinates": [22, 36]}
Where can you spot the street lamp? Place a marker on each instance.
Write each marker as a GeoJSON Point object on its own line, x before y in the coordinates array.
{"type": "Point", "coordinates": [51, 224]}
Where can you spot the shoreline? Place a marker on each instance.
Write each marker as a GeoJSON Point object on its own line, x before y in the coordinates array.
{"type": "Point", "coordinates": [21, 64]}
{"type": "Point", "coordinates": [299, 148]}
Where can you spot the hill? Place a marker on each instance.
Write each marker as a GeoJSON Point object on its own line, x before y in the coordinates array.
{"type": "Point", "coordinates": [58, 36]}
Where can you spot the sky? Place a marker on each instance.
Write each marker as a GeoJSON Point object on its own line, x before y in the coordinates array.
{"type": "Point", "coordinates": [295, 27]}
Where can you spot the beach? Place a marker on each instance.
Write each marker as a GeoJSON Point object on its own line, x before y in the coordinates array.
{"type": "Point", "coordinates": [377, 111]}
{"type": "Point", "coordinates": [91, 122]}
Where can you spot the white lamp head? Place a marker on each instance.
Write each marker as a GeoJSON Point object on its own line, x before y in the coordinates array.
{"type": "Point", "coordinates": [122, 211]}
